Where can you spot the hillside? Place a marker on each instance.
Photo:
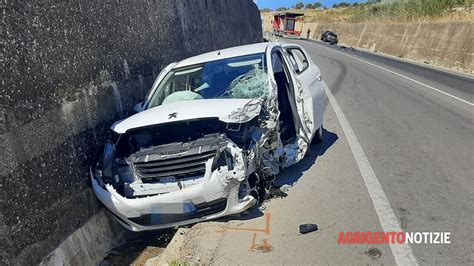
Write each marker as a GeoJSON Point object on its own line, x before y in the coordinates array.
{"type": "Point", "coordinates": [437, 32]}
{"type": "Point", "coordinates": [402, 11]}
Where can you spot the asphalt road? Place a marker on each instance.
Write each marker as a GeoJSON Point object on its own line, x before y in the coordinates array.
{"type": "Point", "coordinates": [397, 153]}
{"type": "Point", "coordinates": [418, 139]}
{"type": "Point", "coordinates": [415, 126]}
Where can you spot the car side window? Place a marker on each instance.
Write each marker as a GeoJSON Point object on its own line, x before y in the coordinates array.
{"type": "Point", "coordinates": [279, 68]}
{"type": "Point", "coordinates": [293, 62]}
{"type": "Point", "coordinates": [299, 57]}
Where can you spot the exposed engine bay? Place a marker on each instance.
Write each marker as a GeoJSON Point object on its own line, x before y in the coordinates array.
{"type": "Point", "coordinates": [168, 157]}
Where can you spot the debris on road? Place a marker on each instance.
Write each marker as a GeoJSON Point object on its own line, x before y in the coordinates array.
{"type": "Point", "coordinates": [277, 192]}
{"type": "Point", "coordinates": [308, 228]}
{"type": "Point", "coordinates": [347, 48]}
{"type": "Point", "coordinates": [374, 253]}
{"type": "Point", "coordinates": [285, 188]}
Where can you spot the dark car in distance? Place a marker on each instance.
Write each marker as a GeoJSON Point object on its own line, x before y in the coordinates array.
{"type": "Point", "coordinates": [329, 36]}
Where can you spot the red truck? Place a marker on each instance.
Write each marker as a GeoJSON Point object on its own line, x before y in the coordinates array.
{"type": "Point", "coordinates": [284, 24]}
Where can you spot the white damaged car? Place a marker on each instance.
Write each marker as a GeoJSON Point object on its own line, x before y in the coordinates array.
{"type": "Point", "coordinates": [211, 135]}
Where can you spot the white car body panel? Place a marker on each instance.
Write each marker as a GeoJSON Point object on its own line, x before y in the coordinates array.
{"type": "Point", "coordinates": [313, 90]}
{"type": "Point", "coordinates": [227, 110]}
{"type": "Point", "coordinates": [221, 183]}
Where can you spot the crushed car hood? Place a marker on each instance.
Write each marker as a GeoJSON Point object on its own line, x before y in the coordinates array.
{"type": "Point", "coordinates": [227, 110]}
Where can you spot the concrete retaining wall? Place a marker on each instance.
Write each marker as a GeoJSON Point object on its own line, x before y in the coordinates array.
{"type": "Point", "coordinates": [69, 69]}
{"type": "Point", "coordinates": [445, 44]}
{"type": "Point", "coordinates": [89, 244]}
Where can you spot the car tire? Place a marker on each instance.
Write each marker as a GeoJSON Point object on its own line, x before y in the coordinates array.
{"type": "Point", "coordinates": [319, 136]}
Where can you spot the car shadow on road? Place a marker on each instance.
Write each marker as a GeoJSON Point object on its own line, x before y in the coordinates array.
{"type": "Point", "coordinates": [291, 175]}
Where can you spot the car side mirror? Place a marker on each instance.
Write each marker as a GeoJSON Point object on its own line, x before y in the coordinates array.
{"type": "Point", "coordinates": [137, 108]}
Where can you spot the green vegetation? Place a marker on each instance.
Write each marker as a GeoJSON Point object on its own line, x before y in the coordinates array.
{"type": "Point", "coordinates": [313, 6]}
{"type": "Point", "coordinates": [281, 9]}
{"type": "Point", "coordinates": [178, 263]}
{"type": "Point", "coordinates": [341, 4]}
{"type": "Point", "coordinates": [299, 5]}
{"type": "Point", "coordinates": [407, 10]}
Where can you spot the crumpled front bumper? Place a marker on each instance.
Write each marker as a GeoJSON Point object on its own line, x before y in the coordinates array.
{"type": "Point", "coordinates": [215, 196]}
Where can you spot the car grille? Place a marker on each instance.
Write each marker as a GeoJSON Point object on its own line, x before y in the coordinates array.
{"type": "Point", "coordinates": [176, 160]}
{"type": "Point", "coordinates": [182, 166]}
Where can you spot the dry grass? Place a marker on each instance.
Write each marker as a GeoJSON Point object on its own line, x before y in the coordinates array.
{"type": "Point", "coordinates": [402, 11]}
{"type": "Point", "coordinates": [342, 14]}
{"type": "Point", "coordinates": [414, 11]}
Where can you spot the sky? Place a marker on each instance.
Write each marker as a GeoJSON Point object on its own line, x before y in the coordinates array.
{"type": "Point", "coordinates": [272, 4]}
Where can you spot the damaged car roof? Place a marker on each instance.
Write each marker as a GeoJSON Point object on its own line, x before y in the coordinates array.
{"type": "Point", "coordinates": [227, 110]}
{"type": "Point", "coordinates": [225, 53]}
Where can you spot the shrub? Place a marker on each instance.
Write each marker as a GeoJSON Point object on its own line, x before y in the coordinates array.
{"type": "Point", "coordinates": [406, 10]}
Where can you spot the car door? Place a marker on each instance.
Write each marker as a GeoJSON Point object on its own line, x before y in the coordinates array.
{"type": "Point", "coordinates": [285, 85]}
{"type": "Point", "coordinates": [309, 85]}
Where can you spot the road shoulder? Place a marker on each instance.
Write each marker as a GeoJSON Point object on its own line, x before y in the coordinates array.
{"type": "Point", "coordinates": [329, 191]}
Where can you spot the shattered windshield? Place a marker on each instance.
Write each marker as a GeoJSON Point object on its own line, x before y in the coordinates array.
{"type": "Point", "coordinates": [243, 77]}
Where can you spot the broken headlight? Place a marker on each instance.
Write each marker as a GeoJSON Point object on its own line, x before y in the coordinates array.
{"type": "Point", "coordinates": [104, 168]}
{"type": "Point", "coordinates": [224, 159]}
{"type": "Point", "coordinates": [124, 170]}
{"type": "Point", "coordinates": [100, 177]}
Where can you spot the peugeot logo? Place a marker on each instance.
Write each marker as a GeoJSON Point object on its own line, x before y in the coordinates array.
{"type": "Point", "coordinates": [172, 115]}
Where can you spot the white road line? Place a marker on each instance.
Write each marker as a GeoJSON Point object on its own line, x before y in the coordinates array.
{"type": "Point", "coordinates": [400, 75]}
{"type": "Point", "coordinates": [401, 252]}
